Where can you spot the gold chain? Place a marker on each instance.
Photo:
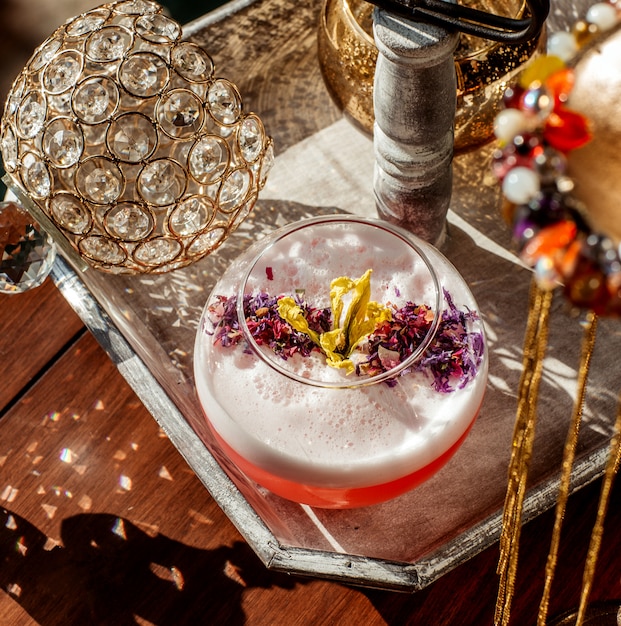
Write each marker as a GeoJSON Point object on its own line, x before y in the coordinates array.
{"type": "Point", "coordinates": [588, 344]}
{"type": "Point", "coordinates": [598, 528]}
{"type": "Point", "coordinates": [535, 344]}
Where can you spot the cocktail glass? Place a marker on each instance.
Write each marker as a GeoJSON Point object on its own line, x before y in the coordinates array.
{"type": "Point", "coordinates": [318, 434]}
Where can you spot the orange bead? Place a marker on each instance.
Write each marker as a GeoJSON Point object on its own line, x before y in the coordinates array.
{"type": "Point", "coordinates": [507, 210]}
{"type": "Point", "coordinates": [560, 85]}
{"type": "Point", "coordinates": [549, 241]}
{"type": "Point", "coordinates": [567, 260]}
{"type": "Point", "coordinates": [613, 284]}
{"type": "Point", "coordinates": [587, 287]}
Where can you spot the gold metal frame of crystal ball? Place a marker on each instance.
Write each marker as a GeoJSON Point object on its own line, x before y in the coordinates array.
{"type": "Point", "coordinates": [122, 135]}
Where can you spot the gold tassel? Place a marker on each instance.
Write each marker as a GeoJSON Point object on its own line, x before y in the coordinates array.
{"type": "Point", "coordinates": [535, 344]}
{"type": "Point", "coordinates": [598, 528]}
{"type": "Point", "coordinates": [588, 344]}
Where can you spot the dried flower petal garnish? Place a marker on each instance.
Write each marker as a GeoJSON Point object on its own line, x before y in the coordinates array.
{"type": "Point", "coordinates": [453, 357]}
{"type": "Point", "coordinates": [368, 338]}
{"type": "Point", "coordinates": [265, 324]}
{"type": "Point", "coordinates": [354, 317]}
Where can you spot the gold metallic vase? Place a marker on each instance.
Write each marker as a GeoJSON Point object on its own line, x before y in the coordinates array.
{"type": "Point", "coordinates": [347, 56]}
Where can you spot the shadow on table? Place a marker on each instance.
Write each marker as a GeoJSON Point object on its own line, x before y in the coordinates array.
{"type": "Point", "coordinates": [110, 572]}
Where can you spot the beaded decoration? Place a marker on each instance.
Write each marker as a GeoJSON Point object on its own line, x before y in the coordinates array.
{"type": "Point", "coordinates": [537, 130]}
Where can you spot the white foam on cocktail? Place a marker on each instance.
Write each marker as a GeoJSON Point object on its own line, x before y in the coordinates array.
{"type": "Point", "coordinates": [329, 437]}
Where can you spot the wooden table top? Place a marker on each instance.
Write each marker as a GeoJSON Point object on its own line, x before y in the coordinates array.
{"type": "Point", "coordinates": [103, 522]}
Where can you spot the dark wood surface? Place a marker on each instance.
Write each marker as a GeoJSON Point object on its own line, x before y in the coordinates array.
{"type": "Point", "coordinates": [102, 522]}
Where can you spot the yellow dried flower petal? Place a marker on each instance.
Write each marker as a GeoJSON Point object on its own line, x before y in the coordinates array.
{"type": "Point", "coordinates": [333, 341]}
{"type": "Point", "coordinates": [361, 318]}
{"type": "Point", "coordinates": [346, 364]}
{"type": "Point", "coordinates": [362, 315]}
{"type": "Point", "coordinates": [289, 310]}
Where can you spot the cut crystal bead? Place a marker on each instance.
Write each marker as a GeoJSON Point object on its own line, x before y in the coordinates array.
{"type": "Point", "coordinates": [161, 182]}
{"type": "Point", "coordinates": [63, 142]}
{"type": "Point", "coordinates": [129, 222]}
{"type": "Point", "coordinates": [157, 251]}
{"type": "Point", "coordinates": [99, 180]}
{"type": "Point", "coordinates": [132, 137]}
{"type": "Point", "coordinates": [14, 100]}
{"type": "Point", "coordinates": [35, 175]}
{"type": "Point", "coordinates": [206, 242]}
{"type": "Point", "coordinates": [266, 164]}
{"type": "Point", "coordinates": [46, 53]}
{"type": "Point", "coordinates": [26, 251]}
{"type": "Point", "coordinates": [84, 24]}
{"type": "Point", "coordinates": [102, 250]}
{"type": "Point", "coordinates": [243, 213]}
{"type": "Point", "coordinates": [208, 159]}
{"type": "Point", "coordinates": [95, 99]}
{"type": "Point", "coordinates": [224, 101]}
{"type": "Point", "coordinates": [8, 146]}
{"type": "Point", "coordinates": [251, 137]}
{"type": "Point", "coordinates": [158, 28]}
{"type": "Point", "coordinates": [180, 113]}
{"type": "Point", "coordinates": [62, 72]}
{"type": "Point", "coordinates": [144, 74]}
{"type": "Point", "coordinates": [31, 115]}
{"type": "Point", "coordinates": [192, 62]}
{"type": "Point", "coordinates": [191, 216]}
{"type": "Point", "coordinates": [234, 189]}
{"type": "Point", "coordinates": [108, 44]}
{"type": "Point", "coordinates": [137, 7]}
{"type": "Point", "coordinates": [69, 213]}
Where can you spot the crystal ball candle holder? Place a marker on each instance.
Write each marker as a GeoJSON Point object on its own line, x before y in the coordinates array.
{"type": "Point", "coordinates": [123, 136]}
{"type": "Point", "coordinates": [401, 399]}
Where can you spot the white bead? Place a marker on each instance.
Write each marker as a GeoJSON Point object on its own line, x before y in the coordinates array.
{"type": "Point", "coordinates": [509, 123]}
{"type": "Point", "coordinates": [603, 15]}
{"type": "Point", "coordinates": [562, 45]}
{"type": "Point", "coordinates": [520, 185]}
{"type": "Point", "coordinates": [546, 274]}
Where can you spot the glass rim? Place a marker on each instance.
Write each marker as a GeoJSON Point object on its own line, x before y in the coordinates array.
{"type": "Point", "coordinates": [347, 383]}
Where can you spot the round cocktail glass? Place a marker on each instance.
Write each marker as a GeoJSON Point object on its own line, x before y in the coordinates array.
{"type": "Point", "coordinates": [323, 435]}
